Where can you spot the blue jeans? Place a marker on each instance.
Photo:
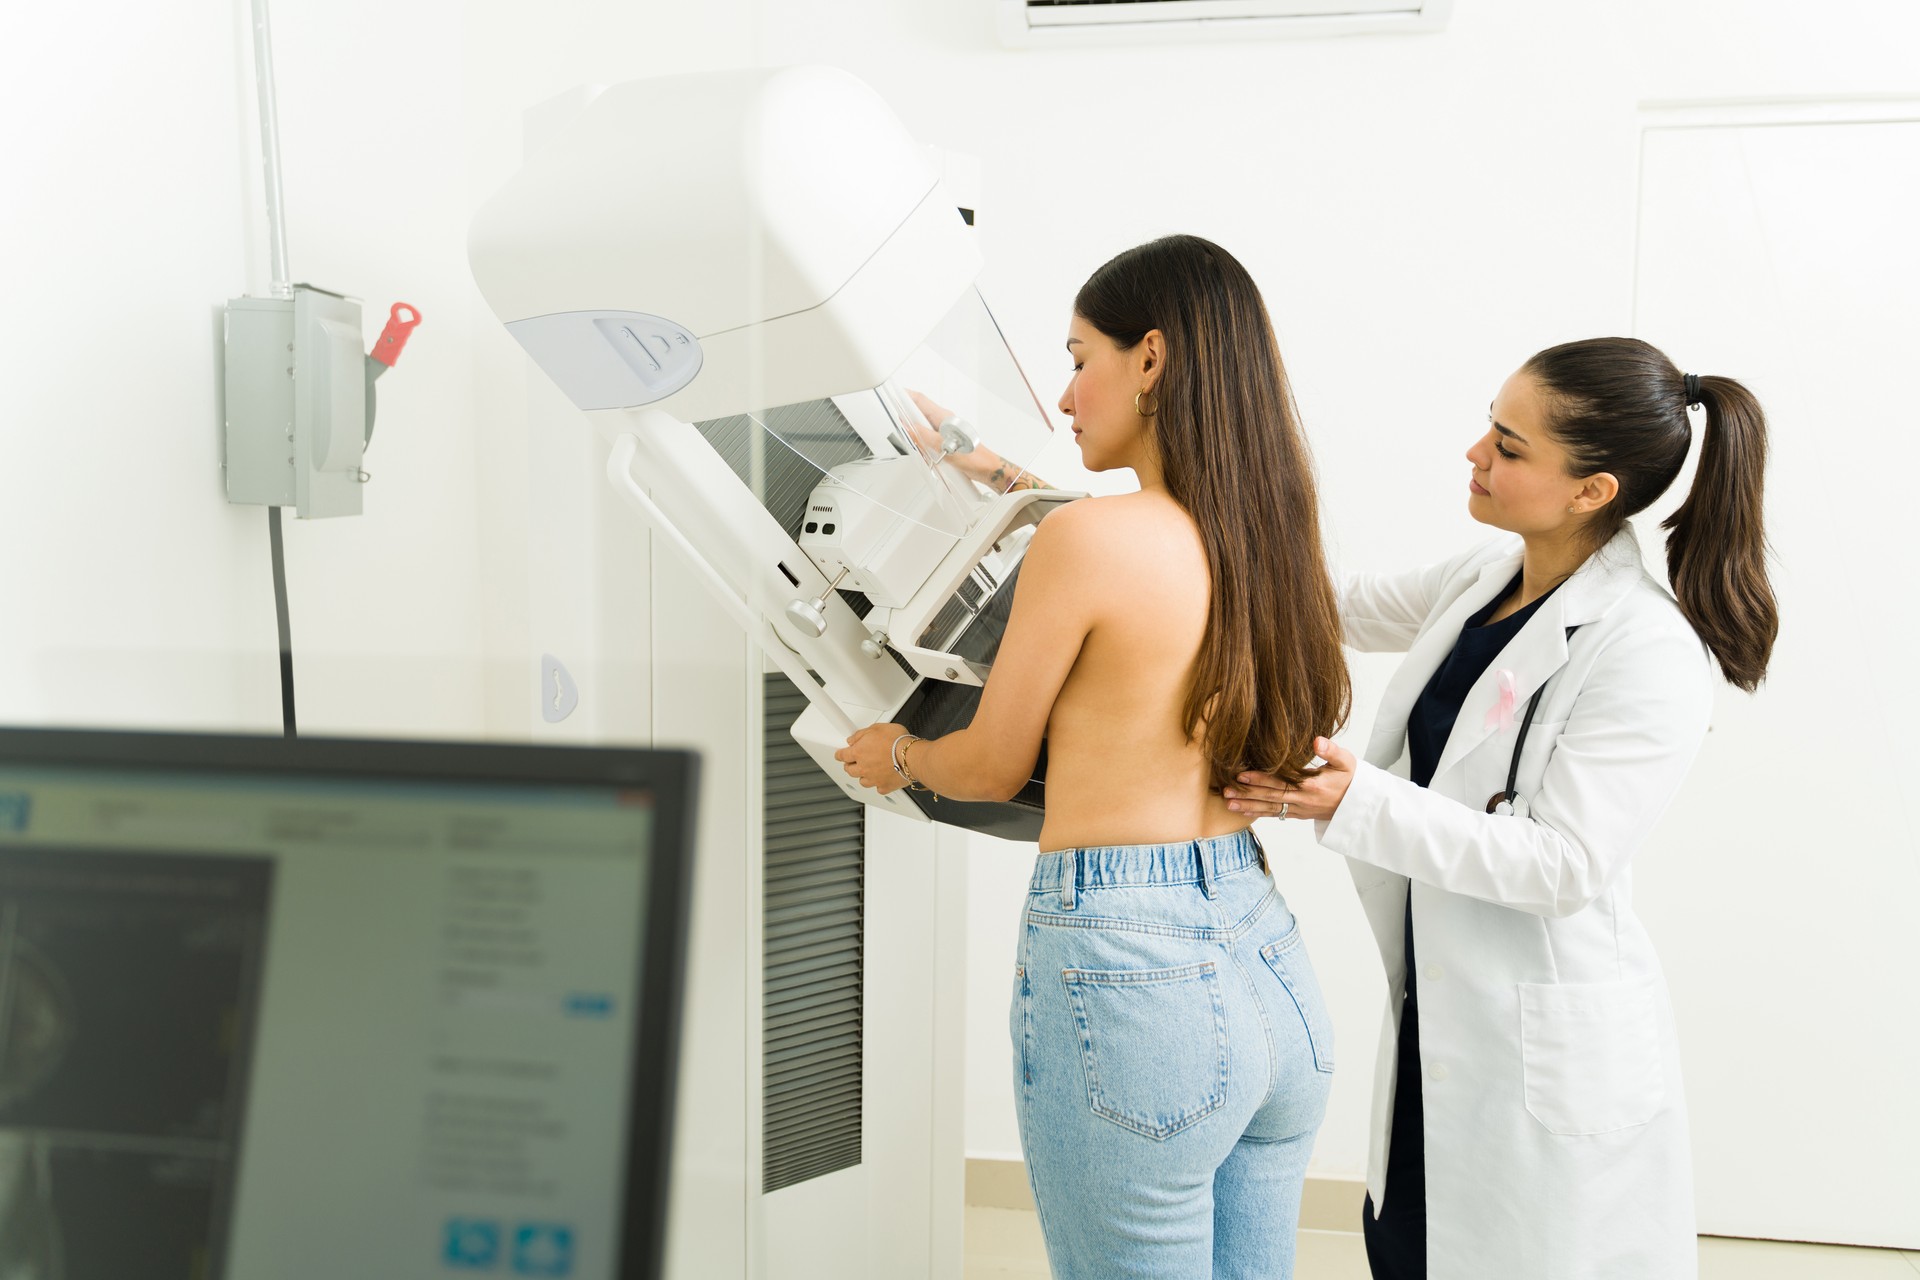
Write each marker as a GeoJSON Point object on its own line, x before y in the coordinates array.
{"type": "Point", "coordinates": [1172, 1057]}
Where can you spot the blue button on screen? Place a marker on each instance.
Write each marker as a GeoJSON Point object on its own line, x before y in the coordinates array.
{"type": "Point", "coordinates": [543, 1249]}
{"type": "Point", "coordinates": [472, 1244]}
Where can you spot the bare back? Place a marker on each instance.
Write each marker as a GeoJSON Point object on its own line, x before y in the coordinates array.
{"type": "Point", "coordinates": [1120, 768]}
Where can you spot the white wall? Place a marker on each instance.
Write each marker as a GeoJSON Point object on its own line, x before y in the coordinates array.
{"type": "Point", "coordinates": [131, 209]}
{"type": "Point", "coordinates": [1423, 213]}
{"type": "Point", "coordinates": [1808, 227]}
{"type": "Point", "coordinates": [131, 214]}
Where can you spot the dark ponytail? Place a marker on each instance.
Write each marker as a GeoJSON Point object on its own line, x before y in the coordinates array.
{"type": "Point", "coordinates": [1619, 406]}
{"type": "Point", "coordinates": [1717, 549]}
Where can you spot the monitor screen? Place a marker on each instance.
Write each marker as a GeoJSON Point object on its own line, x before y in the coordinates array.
{"type": "Point", "coordinates": [286, 1019]}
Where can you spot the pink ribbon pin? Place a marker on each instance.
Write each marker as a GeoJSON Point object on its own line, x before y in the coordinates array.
{"type": "Point", "coordinates": [1500, 714]}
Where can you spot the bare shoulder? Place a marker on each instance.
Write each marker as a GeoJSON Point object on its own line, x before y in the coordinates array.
{"type": "Point", "coordinates": [1116, 523]}
{"type": "Point", "coordinates": [1125, 547]}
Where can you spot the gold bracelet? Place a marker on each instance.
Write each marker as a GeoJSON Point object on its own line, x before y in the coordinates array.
{"type": "Point", "coordinates": [904, 770]}
{"type": "Point", "coordinates": [897, 753]}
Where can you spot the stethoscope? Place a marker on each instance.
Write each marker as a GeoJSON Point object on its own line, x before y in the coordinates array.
{"type": "Point", "coordinates": [1501, 802]}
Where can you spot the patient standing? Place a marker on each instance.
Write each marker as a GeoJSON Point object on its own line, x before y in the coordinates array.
{"type": "Point", "coordinates": [1171, 1050]}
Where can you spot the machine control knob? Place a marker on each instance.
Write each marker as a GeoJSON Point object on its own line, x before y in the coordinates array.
{"type": "Point", "coordinates": [806, 615]}
{"type": "Point", "coordinates": [957, 436]}
{"type": "Point", "coordinates": [874, 646]}
{"type": "Point", "coordinates": [810, 615]}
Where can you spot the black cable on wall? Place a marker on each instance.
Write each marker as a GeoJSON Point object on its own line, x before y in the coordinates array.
{"type": "Point", "coordinates": [280, 616]}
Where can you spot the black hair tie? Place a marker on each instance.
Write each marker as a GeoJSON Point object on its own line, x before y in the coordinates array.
{"type": "Point", "coordinates": [1691, 382]}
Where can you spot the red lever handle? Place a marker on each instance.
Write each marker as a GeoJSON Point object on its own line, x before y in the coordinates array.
{"type": "Point", "coordinates": [401, 322]}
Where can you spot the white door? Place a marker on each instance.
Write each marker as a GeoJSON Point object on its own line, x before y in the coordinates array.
{"type": "Point", "coordinates": [1784, 890]}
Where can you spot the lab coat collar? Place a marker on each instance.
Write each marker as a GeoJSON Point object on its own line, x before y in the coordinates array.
{"type": "Point", "coordinates": [1531, 657]}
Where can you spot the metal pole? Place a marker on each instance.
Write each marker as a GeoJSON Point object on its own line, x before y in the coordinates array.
{"type": "Point", "coordinates": [282, 288]}
{"type": "Point", "coordinates": [270, 148]}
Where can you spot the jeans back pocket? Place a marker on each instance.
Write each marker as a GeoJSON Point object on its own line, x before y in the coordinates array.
{"type": "Point", "coordinates": [1154, 1042]}
{"type": "Point", "coordinates": [1287, 957]}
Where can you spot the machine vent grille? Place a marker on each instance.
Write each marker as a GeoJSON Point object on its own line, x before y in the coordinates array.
{"type": "Point", "coordinates": [953, 615]}
{"type": "Point", "coordinates": [815, 925]}
{"type": "Point", "coordinates": [783, 463]}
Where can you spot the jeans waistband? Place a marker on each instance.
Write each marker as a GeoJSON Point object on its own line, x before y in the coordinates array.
{"type": "Point", "coordinates": [1200, 862]}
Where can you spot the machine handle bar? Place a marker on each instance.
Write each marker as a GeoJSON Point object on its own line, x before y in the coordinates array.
{"type": "Point", "coordinates": [620, 476]}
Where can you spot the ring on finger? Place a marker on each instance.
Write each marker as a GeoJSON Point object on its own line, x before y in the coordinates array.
{"type": "Point", "coordinates": [1283, 808]}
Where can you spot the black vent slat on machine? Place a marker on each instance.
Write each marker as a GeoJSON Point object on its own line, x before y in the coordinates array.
{"type": "Point", "coordinates": [801, 442]}
{"type": "Point", "coordinates": [815, 842]}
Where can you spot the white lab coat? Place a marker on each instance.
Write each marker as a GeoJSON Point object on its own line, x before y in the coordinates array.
{"type": "Point", "coordinates": [1556, 1128]}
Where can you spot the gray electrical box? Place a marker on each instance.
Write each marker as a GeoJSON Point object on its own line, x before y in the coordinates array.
{"type": "Point", "coordinates": [296, 383]}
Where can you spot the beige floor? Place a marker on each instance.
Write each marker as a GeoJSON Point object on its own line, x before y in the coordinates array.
{"type": "Point", "coordinates": [1005, 1243]}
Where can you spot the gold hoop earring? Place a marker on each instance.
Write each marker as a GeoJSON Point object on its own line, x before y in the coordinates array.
{"type": "Point", "coordinates": [1150, 410]}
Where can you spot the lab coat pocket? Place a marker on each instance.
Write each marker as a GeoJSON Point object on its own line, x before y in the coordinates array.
{"type": "Point", "coordinates": [1154, 1044]}
{"type": "Point", "coordinates": [1288, 960]}
{"type": "Point", "coordinates": [1591, 1055]}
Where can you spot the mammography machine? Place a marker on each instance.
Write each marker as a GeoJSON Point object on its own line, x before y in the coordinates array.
{"type": "Point", "coordinates": [757, 289]}
{"type": "Point", "coordinates": [756, 305]}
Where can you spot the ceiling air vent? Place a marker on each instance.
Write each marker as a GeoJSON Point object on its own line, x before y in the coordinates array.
{"type": "Point", "coordinates": [1083, 22]}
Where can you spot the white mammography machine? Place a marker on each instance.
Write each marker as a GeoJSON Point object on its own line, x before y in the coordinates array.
{"type": "Point", "coordinates": [750, 282]}
{"type": "Point", "coordinates": [744, 278]}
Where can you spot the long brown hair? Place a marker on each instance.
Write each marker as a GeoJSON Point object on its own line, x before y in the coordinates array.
{"type": "Point", "coordinates": [1620, 406]}
{"type": "Point", "coordinates": [1270, 675]}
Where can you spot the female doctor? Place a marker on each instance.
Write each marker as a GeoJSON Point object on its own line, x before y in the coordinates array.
{"type": "Point", "coordinates": [1528, 1113]}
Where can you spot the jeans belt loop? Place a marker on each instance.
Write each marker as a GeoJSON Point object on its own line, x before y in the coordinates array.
{"type": "Point", "coordinates": [1203, 850]}
{"type": "Point", "coordinates": [1069, 872]}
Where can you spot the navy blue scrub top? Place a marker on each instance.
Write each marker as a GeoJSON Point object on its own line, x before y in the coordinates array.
{"type": "Point", "coordinates": [1431, 721]}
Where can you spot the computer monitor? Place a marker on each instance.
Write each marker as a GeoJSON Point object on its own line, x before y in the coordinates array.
{"type": "Point", "coordinates": [304, 1010]}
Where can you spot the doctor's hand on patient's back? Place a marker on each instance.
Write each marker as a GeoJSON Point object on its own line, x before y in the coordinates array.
{"type": "Point", "coordinates": [1261, 795]}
